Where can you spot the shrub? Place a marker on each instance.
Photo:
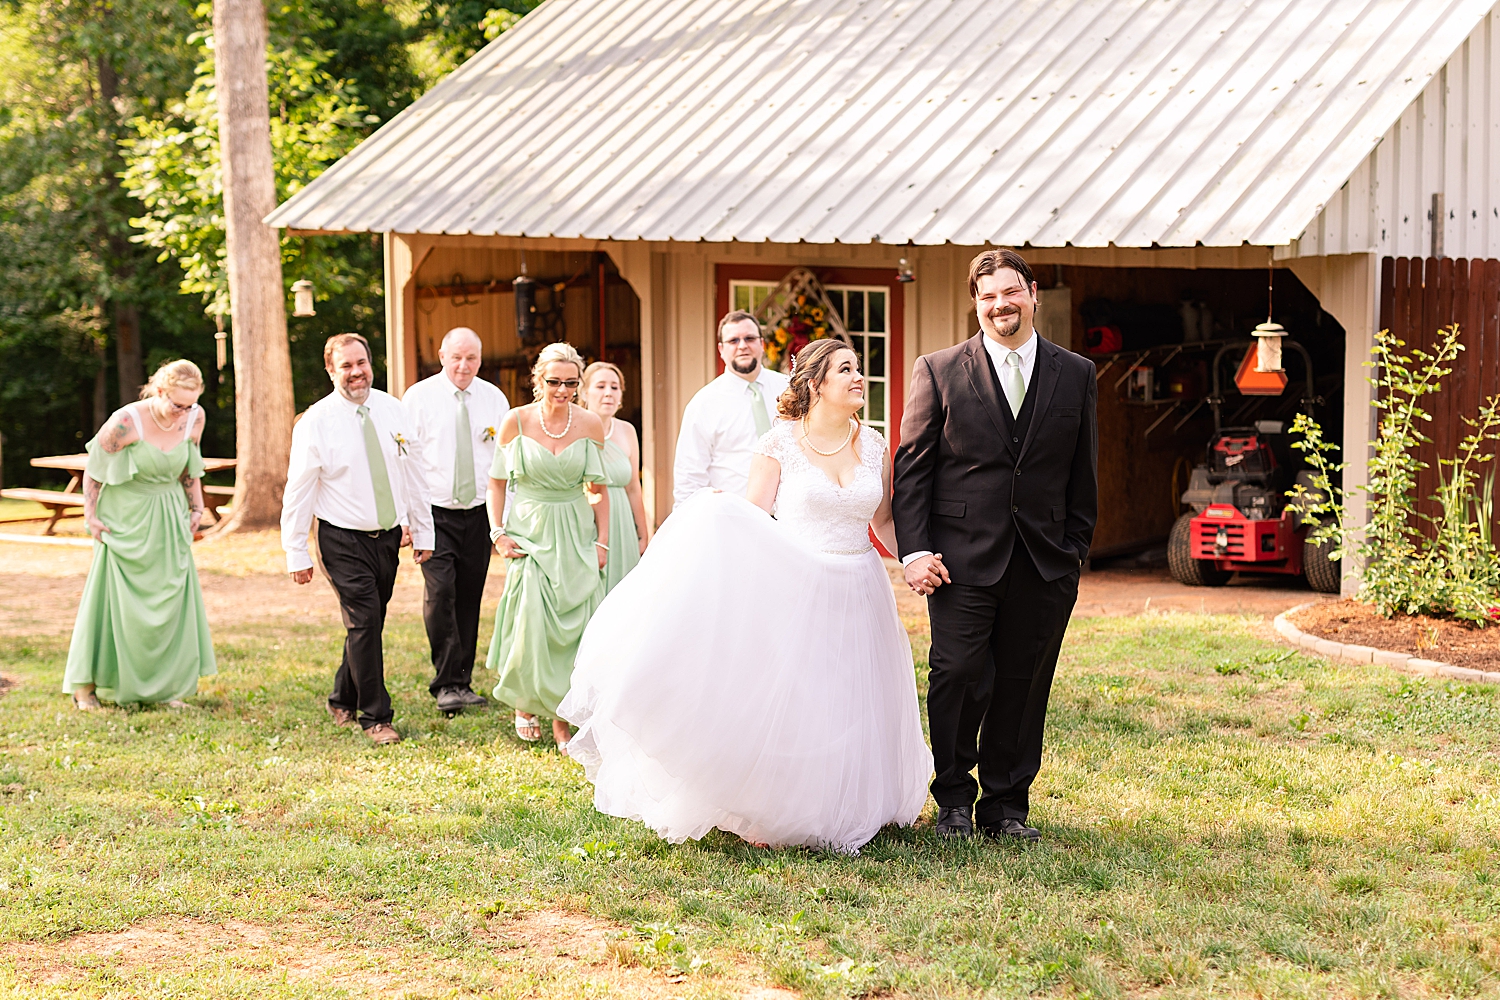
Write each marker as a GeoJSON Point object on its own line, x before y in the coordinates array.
{"type": "Point", "coordinates": [1413, 563]}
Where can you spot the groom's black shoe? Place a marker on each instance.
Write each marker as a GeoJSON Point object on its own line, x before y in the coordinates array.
{"type": "Point", "coordinates": [955, 823]}
{"type": "Point", "coordinates": [1013, 829]}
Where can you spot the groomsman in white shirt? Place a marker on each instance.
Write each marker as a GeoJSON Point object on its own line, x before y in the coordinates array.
{"type": "Point", "coordinates": [356, 467]}
{"type": "Point", "coordinates": [455, 416]}
{"type": "Point", "coordinates": [725, 418]}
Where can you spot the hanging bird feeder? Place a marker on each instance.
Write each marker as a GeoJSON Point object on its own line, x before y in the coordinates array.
{"type": "Point", "coordinates": [302, 298]}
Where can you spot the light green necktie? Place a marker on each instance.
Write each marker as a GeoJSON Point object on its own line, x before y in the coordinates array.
{"type": "Point", "coordinates": [758, 410]}
{"type": "Point", "coordinates": [1012, 382]}
{"type": "Point", "coordinates": [380, 480]}
{"type": "Point", "coordinates": [464, 489]}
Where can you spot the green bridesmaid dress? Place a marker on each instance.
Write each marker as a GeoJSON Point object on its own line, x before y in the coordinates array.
{"type": "Point", "coordinates": [142, 632]}
{"type": "Point", "coordinates": [624, 543]}
{"type": "Point", "coordinates": [551, 593]}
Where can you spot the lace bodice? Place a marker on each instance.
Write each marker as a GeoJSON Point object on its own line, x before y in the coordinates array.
{"type": "Point", "coordinates": [827, 517]}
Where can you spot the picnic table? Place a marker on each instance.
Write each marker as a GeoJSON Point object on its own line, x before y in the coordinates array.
{"type": "Point", "coordinates": [70, 500]}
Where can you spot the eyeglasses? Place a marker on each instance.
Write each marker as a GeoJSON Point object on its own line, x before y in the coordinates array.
{"type": "Point", "coordinates": [561, 383]}
{"type": "Point", "coordinates": [178, 407]}
{"type": "Point", "coordinates": [738, 341]}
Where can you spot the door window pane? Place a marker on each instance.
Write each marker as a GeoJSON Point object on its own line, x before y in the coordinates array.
{"type": "Point", "coordinates": [877, 312]}
{"type": "Point", "coordinates": [837, 298]}
{"type": "Point", "coordinates": [875, 364]}
{"type": "Point", "coordinates": [875, 402]}
{"type": "Point", "coordinates": [854, 319]}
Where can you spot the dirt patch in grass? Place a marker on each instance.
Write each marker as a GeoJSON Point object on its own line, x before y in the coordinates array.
{"type": "Point", "coordinates": [578, 955]}
{"type": "Point", "coordinates": [1442, 639]}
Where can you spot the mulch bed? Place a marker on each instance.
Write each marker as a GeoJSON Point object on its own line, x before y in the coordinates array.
{"type": "Point", "coordinates": [1444, 639]}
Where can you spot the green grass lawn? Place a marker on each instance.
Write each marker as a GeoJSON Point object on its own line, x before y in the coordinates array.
{"type": "Point", "coordinates": [1221, 817]}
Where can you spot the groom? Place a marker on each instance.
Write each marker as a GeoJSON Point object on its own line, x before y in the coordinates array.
{"type": "Point", "coordinates": [995, 501]}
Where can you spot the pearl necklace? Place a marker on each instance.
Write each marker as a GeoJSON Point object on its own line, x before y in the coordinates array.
{"type": "Point", "coordinates": [541, 418]}
{"type": "Point", "coordinates": [828, 454]}
{"type": "Point", "coordinates": [155, 420]}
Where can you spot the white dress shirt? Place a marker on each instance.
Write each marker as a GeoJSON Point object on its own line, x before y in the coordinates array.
{"type": "Point", "coordinates": [1026, 352]}
{"type": "Point", "coordinates": [329, 476]}
{"type": "Point", "coordinates": [432, 409]}
{"type": "Point", "coordinates": [998, 353]}
{"type": "Point", "coordinates": [718, 433]}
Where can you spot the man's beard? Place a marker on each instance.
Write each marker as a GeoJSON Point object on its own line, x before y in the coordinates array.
{"type": "Point", "coordinates": [1006, 324]}
{"type": "Point", "coordinates": [744, 367]}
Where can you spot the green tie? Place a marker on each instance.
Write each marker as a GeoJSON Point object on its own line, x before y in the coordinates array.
{"type": "Point", "coordinates": [758, 410]}
{"type": "Point", "coordinates": [1013, 382]}
{"type": "Point", "coordinates": [380, 480]}
{"type": "Point", "coordinates": [464, 489]}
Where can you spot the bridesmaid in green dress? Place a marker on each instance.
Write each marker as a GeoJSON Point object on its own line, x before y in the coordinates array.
{"type": "Point", "coordinates": [556, 541]}
{"type": "Point", "coordinates": [603, 391]}
{"type": "Point", "coordinates": [142, 632]}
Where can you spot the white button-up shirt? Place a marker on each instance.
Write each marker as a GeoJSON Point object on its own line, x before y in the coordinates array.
{"type": "Point", "coordinates": [1026, 352]}
{"type": "Point", "coordinates": [718, 434]}
{"type": "Point", "coordinates": [998, 353]}
{"type": "Point", "coordinates": [329, 476]}
{"type": "Point", "coordinates": [432, 407]}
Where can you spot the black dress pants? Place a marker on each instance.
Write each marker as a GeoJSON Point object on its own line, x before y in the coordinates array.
{"type": "Point", "coordinates": [362, 567]}
{"type": "Point", "coordinates": [994, 651]}
{"type": "Point", "coordinates": [455, 578]}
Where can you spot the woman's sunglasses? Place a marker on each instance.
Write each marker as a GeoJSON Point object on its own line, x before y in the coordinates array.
{"type": "Point", "coordinates": [561, 383]}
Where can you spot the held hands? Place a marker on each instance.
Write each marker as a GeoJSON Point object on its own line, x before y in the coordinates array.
{"type": "Point", "coordinates": [926, 573]}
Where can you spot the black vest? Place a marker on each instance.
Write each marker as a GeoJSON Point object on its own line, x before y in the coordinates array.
{"type": "Point", "coordinates": [1015, 426]}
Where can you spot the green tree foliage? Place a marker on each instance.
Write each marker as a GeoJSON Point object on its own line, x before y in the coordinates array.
{"type": "Point", "coordinates": [109, 189]}
{"type": "Point", "coordinates": [71, 74]}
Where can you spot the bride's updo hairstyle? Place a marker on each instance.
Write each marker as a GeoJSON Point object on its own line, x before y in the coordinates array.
{"type": "Point", "coordinates": [809, 369]}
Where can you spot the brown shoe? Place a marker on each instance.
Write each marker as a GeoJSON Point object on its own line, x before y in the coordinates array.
{"type": "Point", "coordinates": [382, 733]}
{"type": "Point", "coordinates": [340, 716]}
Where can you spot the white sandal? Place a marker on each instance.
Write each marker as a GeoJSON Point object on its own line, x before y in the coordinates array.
{"type": "Point", "coordinates": [530, 729]}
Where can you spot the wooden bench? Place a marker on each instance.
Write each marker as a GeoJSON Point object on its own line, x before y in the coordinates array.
{"type": "Point", "coordinates": [61, 503]}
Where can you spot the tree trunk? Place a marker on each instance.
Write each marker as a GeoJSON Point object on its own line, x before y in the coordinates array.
{"type": "Point", "coordinates": [263, 405]}
{"type": "Point", "coordinates": [129, 364]}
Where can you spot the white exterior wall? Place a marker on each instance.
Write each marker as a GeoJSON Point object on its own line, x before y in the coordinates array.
{"type": "Point", "coordinates": [1448, 142]}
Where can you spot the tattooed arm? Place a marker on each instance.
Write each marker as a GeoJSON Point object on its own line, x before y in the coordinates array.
{"type": "Point", "coordinates": [194, 486]}
{"type": "Point", "coordinates": [91, 489]}
{"type": "Point", "coordinates": [194, 489]}
{"type": "Point", "coordinates": [118, 431]}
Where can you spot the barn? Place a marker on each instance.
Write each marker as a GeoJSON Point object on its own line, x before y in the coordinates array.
{"type": "Point", "coordinates": [1176, 171]}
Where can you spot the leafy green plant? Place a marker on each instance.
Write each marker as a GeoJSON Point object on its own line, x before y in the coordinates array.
{"type": "Point", "coordinates": [1413, 562]}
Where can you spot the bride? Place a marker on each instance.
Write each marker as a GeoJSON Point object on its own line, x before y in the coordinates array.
{"type": "Point", "coordinates": [751, 674]}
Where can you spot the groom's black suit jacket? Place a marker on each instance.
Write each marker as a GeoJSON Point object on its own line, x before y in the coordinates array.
{"type": "Point", "coordinates": [969, 478]}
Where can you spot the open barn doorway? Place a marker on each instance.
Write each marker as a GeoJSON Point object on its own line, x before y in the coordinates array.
{"type": "Point", "coordinates": [580, 298]}
{"type": "Point", "coordinates": [1154, 334]}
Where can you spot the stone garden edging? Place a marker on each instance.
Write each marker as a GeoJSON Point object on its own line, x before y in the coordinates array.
{"type": "Point", "coordinates": [1368, 654]}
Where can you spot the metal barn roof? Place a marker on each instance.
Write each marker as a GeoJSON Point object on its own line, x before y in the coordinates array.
{"type": "Point", "coordinates": [1048, 122]}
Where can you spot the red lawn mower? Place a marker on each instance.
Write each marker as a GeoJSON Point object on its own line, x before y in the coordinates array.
{"type": "Point", "coordinates": [1239, 520]}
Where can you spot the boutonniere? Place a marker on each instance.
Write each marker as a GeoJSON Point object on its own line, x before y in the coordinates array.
{"type": "Point", "coordinates": [400, 444]}
{"type": "Point", "coordinates": [489, 434]}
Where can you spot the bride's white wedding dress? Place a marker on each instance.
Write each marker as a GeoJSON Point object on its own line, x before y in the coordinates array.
{"type": "Point", "coordinates": [752, 674]}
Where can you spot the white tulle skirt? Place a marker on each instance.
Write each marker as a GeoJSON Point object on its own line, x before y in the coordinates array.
{"type": "Point", "coordinates": [741, 680]}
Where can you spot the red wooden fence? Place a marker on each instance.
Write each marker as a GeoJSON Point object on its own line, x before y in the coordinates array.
{"type": "Point", "coordinates": [1419, 297]}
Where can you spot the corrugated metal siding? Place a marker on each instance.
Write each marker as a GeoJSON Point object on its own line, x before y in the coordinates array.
{"type": "Point", "coordinates": [1448, 141]}
{"type": "Point", "coordinates": [1049, 122]}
